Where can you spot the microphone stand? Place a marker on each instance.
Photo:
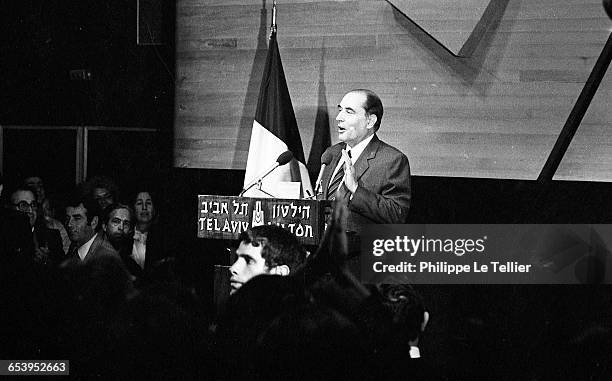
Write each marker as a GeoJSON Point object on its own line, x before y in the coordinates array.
{"type": "Point", "coordinates": [258, 182]}
{"type": "Point", "coordinates": [313, 196]}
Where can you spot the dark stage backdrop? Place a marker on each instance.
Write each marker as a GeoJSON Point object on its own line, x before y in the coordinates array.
{"type": "Point", "coordinates": [50, 154]}
{"type": "Point", "coordinates": [77, 62]}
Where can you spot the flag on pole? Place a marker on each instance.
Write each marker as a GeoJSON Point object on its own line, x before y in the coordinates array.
{"type": "Point", "coordinates": [321, 139]}
{"type": "Point", "coordinates": [275, 131]}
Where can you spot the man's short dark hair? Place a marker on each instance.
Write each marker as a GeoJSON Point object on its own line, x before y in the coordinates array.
{"type": "Point", "coordinates": [91, 206]}
{"type": "Point", "coordinates": [278, 246]}
{"type": "Point", "coordinates": [372, 105]}
{"type": "Point", "coordinates": [115, 206]}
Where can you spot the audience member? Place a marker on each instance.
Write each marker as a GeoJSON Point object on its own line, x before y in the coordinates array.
{"type": "Point", "coordinates": [149, 240]}
{"type": "Point", "coordinates": [118, 227]}
{"type": "Point", "coordinates": [83, 223]}
{"type": "Point", "coordinates": [409, 315]}
{"type": "Point", "coordinates": [247, 314]}
{"type": "Point", "coordinates": [409, 319]}
{"type": "Point", "coordinates": [103, 190]}
{"type": "Point", "coordinates": [47, 242]}
{"type": "Point", "coordinates": [161, 335]}
{"type": "Point", "coordinates": [46, 211]}
{"type": "Point", "coordinates": [37, 186]}
{"type": "Point", "coordinates": [23, 200]}
{"type": "Point", "coordinates": [312, 342]}
{"type": "Point", "coordinates": [273, 328]}
{"type": "Point", "coordinates": [97, 292]}
{"type": "Point", "coordinates": [15, 232]}
{"type": "Point", "coordinates": [266, 249]}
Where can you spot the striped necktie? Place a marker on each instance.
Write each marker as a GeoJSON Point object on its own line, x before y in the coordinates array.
{"type": "Point", "coordinates": [334, 185]}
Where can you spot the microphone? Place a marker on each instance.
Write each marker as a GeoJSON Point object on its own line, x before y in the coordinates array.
{"type": "Point", "coordinates": [326, 158]}
{"type": "Point", "coordinates": [282, 159]}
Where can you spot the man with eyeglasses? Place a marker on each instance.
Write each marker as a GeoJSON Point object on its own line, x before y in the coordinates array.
{"type": "Point", "coordinates": [24, 201]}
{"type": "Point", "coordinates": [84, 225]}
{"type": "Point", "coordinates": [118, 225]}
{"type": "Point", "coordinates": [47, 242]}
{"type": "Point", "coordinates": [15, 234]}
{"type": "Point", "coordinates": [46, 212]}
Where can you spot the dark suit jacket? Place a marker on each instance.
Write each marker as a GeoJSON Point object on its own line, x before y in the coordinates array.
{"type": "Point", "coordinates": [156, 247]}
{"type": "Point", "coordinates": [52, 239]}
{"type": "Point", "coordinates": [130, 264]}
{"type": "Point", "coordinates": [15, 236]}
{"type": "Point", "coordinates": [99, 247]}
{"type": "Point", "coordinates": [383, 195]}
{"type": "Point", "coordinates": [155, 251]}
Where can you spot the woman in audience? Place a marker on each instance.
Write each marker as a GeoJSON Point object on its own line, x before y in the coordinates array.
{"type": "Point", "coordinates": [147, 248]}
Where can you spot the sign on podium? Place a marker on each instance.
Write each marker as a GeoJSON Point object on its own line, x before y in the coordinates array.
{"type": "Point", "coordinates": [225, 217]}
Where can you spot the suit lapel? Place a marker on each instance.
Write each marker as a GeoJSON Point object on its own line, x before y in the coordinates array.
{"type": "Point", "coordinates": [362, 164]}
{"type": "Point", "coordinates": [94, 245]}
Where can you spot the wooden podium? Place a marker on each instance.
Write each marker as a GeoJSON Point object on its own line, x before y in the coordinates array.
{"type": "Point", "coordinates": [225, 217]}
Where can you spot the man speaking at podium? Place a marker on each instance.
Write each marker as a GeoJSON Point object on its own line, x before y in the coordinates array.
{"type": "Point", "coordinates": [372, 177]}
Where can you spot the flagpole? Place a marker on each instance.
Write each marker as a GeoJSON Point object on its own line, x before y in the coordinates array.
{"type": "Point", "coordinates": [273, 26]}
{"type": "Point", "coordinates": [275, 130]}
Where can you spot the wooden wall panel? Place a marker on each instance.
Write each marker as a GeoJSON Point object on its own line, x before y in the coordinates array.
{"type": "Point", "coordinates": [589, 157]}
{"type": "Point", "coordinates": [495, 113]}
{"type": "Point", "coordinates": [464, 16]}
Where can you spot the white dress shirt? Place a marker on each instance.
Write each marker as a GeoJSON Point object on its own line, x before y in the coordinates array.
{"type": "Point", "coordinates": [415, 353]}
{"type": "Point", "coordinates": [355, 153]}
{"type": "Point", "coordinates": [139, 249]}
{"type": "Point", "coordinates": [85, 248]}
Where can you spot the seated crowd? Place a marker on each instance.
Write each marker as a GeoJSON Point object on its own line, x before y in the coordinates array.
{"type": "Point", "coordinates": [111, 299]}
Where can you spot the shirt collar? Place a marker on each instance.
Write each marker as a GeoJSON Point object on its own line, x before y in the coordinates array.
{"type": "Point", "coordinates": [359, 148]}
{"type": "Point", "coordinates": [140, 236]}
{"type": "Point", "coordinates": [85, 248]}
{"type": "Point", "coordinates": [415, 353]}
